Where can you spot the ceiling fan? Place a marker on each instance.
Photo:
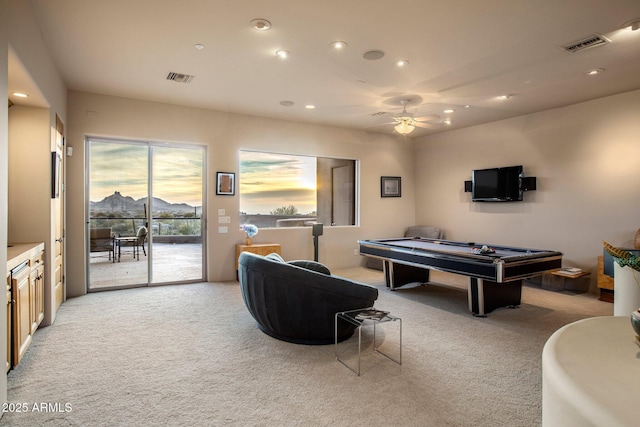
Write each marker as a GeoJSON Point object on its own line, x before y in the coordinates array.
{"type": "Point", "coordinates": [405, 123]}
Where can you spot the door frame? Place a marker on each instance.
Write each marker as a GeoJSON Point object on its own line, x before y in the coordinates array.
{"type": "Point", "coordinates": [149, 214]}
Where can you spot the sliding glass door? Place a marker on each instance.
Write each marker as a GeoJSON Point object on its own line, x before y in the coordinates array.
{"type": "Point", "coordinates": [176, 214]}
{"type": "Point", "coordinates": [145, 214]}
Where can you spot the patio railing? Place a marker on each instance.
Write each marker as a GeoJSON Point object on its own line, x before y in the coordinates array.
{"type": "Point", "coordinates": [162, 229]}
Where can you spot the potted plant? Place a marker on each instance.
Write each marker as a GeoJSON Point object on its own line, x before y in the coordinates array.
{"type": "Point", "coordinates": [626, 283]}
{"type": "Point", "coordinates": [251, 231]}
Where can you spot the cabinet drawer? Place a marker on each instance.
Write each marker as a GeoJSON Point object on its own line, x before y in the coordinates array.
{"type": "Point", "coordinates": [37, 260]}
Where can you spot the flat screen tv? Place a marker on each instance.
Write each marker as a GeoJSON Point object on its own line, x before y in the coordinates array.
{"type": "Point", "coordinates": [497, 184]}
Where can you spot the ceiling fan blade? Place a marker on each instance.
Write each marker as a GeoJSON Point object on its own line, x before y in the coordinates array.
{"type": "Point", "coordinates": [384, 124]}
{"type": "Point", "coordinates": [426, 125]}
{"type": "Point", "coordinates": [427, 118]}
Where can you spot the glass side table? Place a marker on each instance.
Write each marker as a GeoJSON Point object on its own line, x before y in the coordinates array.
{"type": "Point", "coordinates": [362, 317]}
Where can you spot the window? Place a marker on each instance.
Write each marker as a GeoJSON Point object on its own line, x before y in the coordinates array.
{"type": "Point", "coordinates": [283, 190]}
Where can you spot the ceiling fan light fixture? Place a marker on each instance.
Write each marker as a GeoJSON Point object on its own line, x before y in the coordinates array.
{"type": "Point", "coordinates": [404, 128]}
{"type": "Point", "coordinates": [632, 25]}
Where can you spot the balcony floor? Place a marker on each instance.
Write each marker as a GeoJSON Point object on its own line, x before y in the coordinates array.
{"type": "Point", "coordinates": [172, 262]}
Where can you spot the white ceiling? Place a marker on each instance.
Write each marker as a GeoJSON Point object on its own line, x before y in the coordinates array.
{"type": "Point", "coordinates": [461, 52]}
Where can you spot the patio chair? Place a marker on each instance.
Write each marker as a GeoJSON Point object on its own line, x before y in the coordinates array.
{"type": "Point", "coordinates": [142, 237]}
{"type": "Point", "coordinates": [101, 240]}
{"type": "Point", "coordinates": [136, 242]}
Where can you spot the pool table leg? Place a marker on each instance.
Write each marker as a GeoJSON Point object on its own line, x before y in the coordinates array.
{"type": "Point", "coordinates": [397, 275]}
{"type": "Point", "coordinates": [485, 295]}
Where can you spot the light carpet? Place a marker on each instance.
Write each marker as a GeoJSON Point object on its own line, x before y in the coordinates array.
{"type": "Point", "coordinates": [191, 355]}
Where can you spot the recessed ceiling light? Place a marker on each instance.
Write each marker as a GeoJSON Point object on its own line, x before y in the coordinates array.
{"type": "Point", "coordinates": [282, 53]}
{"type": "Point", "coordinates": [339, 45]}
{"type": "Point", "coordinates": [594, 72]}
{"type": "Point", "coordinates": [446, 122]}
{"type": "Point", "coordinates": [20, 95]}
{"type": "Point", "coordinates": [260, 24]}
{"type": "Point", "coordinates": [506, 96]}
{"type": "Point", "coordinates": [449, 110]}
{"type": "Point", "coordinates": [467, 106]}
{"type": "Point", "coordinates": [287, 103]}
{"type": "Point", "coordinates": [402, 63]}
{"type": "Point", "coordinates": [310, 107]}
{"type": "Point", "coordinates": [199, 46]}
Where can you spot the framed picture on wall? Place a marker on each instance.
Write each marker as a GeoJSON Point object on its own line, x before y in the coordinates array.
{"type": "Point", "coordinates": [225, 183]}
{"type": "Point", "coordinates": [390, 186]}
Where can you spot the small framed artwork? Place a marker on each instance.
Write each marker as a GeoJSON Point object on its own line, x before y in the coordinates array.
{"type": "Point", "coordinates": [390, 186]}
{"type": "Point", "coordinates": [225, 183]}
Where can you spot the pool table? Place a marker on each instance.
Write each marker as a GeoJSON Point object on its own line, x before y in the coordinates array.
{"type": "Point", "coordinates": [495, 273]}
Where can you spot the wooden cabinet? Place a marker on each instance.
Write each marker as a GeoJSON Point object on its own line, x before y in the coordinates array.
{"type": "Point", "coordinates": [36, 289]}
{"type": "Point", "coordinates": [25, 298]}
{"type": "Point", "coordinates": [257, 248]}
{"type": "Point", "coordinates": [21, 289]}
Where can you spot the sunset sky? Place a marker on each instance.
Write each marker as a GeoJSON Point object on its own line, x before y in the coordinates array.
{"type": "Point", "coordinates": [269, 181]}
{"type": "Point", "coordinates": [266, 181]}
{"type": "Point", "coordinates": [124, 168]}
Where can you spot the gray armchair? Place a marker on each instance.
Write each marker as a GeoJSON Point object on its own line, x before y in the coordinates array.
{"type": "Point", "coordinates": [297, 301]}
{"type": "Point", "coordinates": [424, 231]}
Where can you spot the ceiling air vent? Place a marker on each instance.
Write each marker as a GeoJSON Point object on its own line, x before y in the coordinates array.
{"type": "Point", "coordinates": [591, 41]}
{"type": "Point", "coordinates": [180, 78]}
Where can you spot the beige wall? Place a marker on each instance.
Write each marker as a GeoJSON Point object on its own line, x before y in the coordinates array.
{"type": "Point", "coordinates": [586, 158]}
{"type": "Point", "coordinates": [29, 162]}
{"type": "Point", "coordinates": [224, 135]}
